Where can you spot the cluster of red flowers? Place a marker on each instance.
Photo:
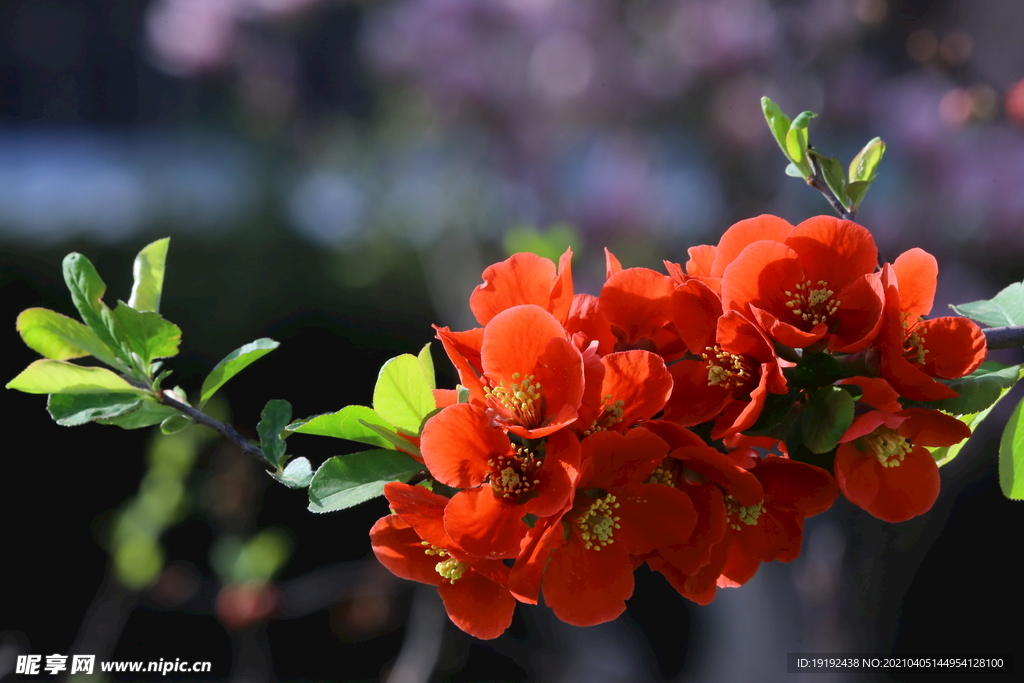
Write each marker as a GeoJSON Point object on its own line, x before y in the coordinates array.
{"type": "Point", "coordinates": [602, 432]}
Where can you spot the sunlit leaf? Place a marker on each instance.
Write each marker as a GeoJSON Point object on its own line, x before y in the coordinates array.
{"type": "Point", "coordinates": [402, 395]}
{"type": "Point", "coordinates": [58, 337]}
{"type": "Point", "coordinates": [60, 377]}
{"type": "Point", "coordinates": [347, 423]}
{"type": "Point", "coordinates": [296, 475]}
{"type": "Point", "coordinates": [1011, 456]}
{"type": "Point", "coordinates": [147, 333]}
{"type": "Point", "coordinates": [778, 122]}
{"type": "Point", "coordinates": [1005, 309]}
{"type": "Point", "coordinates": [427, 364]}
{"type": "Point", "coordinates": [865, 164]}
{"type": "Point", "coordinates": [87, 289]}
{"type": "Point", "coordinates": [234, 363]}
{"type": "Point", "coordinates": [347, 480]}
{"type": "Point", "coordinates": [148, 271]}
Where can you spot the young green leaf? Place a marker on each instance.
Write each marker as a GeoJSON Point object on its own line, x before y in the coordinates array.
{"type": "Point", "coordinates": [1004, 309]}
{"type": "Point", "coordinates": [826, 418]}
{"type": "Point", "coordinates": [87, 289]}
{"type": "Point", "coordinates": [855, 192]}
{"type": "Point", "coordinates": [175, 423]}
{"type": "Point", "coordinates": [427, 363]}
{"type": "Point", "coordinates": [296, 475]}
{"type": "Point", "coordinates": [234, 363]}
{"type": "Point", "coordinates": [58, 337]}
{"type": "Point", "coordinates": [148, 272]}
{"type": "Point", "coordinates": [402, 395]}
{"type": "Point", "coordinates": [832, 171]}
{"type": "Point", "coordinates": [71, 410]}
{"type": "Point", "coordinates": [865, 164]}
{"type": "Point", "coordinates": [1011, 456]}
{"type": "Point", "coordinates": [60, 377]}
{"type": "Point", "coordinates": [344, 481]}
{"type": "Point", "coordinates": [347, 423]}
{"type": "Point", "coordinates": [778, 122]}
{"type": "Point", "coordinates": [978, 390]}
{"type": "Point", "coordinates": [147, 333]}
{"type": "Point", "coordinates": [274, 418]}
{"type": "Point", "coordinates": [146, 414]}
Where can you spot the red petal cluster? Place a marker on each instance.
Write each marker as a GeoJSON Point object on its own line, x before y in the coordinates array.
{"type": "Point", "coordinates": [602, 432]}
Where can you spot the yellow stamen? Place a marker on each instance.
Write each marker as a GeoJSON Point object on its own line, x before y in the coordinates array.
{"type": "Point", "coordinates": [813, 304]}
{"type": "Point", "coordinates": [738, 514]}
{"type": "Point", "coordinates": [597, 524]}
{"type": "Point", "coordinates": [522, 401]}
{"type": "Point", "coordinates": [885, 444]}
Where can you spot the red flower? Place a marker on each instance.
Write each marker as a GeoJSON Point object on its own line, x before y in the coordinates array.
{"type": "Point", "coordinates": [634, 386]}
{"type": "Point", "coordinates": [882, 464]}
{"type": "Point", "coordinates": [614, 517]}
{"type": "Point", "coordinates": [524, 279]}
{"type": "Point", "coordinates": [739, 367]}
{"type": "Point", "coordinates": [533, 375]}
{"type": "Point", "coordinates": [819, 283]}
{"type": "Point", "coordinates": [638, 304]}
{"type": "Point", "coordinates": [503, 482]}
{"type": "Point", "coordinates": [413, 544]}
{"type": "Point", "coordinates": [913, 350]}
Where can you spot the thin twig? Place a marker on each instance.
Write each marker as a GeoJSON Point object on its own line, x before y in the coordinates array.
{"type": "Point", "coordinates": [225, 429]}
{"type": "Point", "coordinates": [821, 187]}
{"type": "Point", "coordinates": [1004, 337]}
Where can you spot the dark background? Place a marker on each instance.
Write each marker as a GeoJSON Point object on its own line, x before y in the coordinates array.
{"type": "Point", "coordinates": [335, 175]}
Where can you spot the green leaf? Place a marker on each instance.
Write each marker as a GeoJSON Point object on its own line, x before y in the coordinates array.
{"type": "Point", "coordinates": [146, 333]}
{"type": "Point", "coordinates": [147, 414]}
{"type": "Point", "coordinates": [234, 363]}
{"type": "Point", "coordinates": [274, 418]}
{"type": "Point", "coordinates": [348, 423]}
{"type": "Point", "coordinates": [174, 424]}
{"type": "Point", "coordinates": [71, 410]}
{"type": "Point", "coordinates": [59, 337]}
{"type": "Point", "coordinates": [60, 377]}
{"type": "Point", "coordinates": [856, 191]}
{"type": "Point", "coordinates": [1004, 309]}
{"type": "Point", "coordinates": [87, 289]}
{"type": "Point", "coordinates": [778, 122]}
{"type": "Point", "coordinates": [462, 394]}
{"type": "Point", "coordinates": [832, 171]}
{"type": "Point", "coordinates": [1011, 456]}
{"type": "Point", "coordinates": [775, 410]}
{"type": "Point", "coordinates": [815, 370]}
{"type": "Point", "coordinates": [796, 148]}
{"type": "Point", "coordinates": [978, 390]}
{"type": "Point", "coordinates": [802, 120]}
{"type": "Point", "coordinates": [826, 418]}
{"type": "Point", "coordinates": [427, 364]}
{"type": "Point", "coordinates": [865, 164]}
{"type": "Point", "coordinates": [794, 170]}
{"type": "Point", "coordinates": [296, 475]}
{"type": "Point", "coordinates": [344, 481]}
{"type": "Point", "coordinates": [402, 395]}
{"type": "Point", "coordinates": [148, 271]}
{"type": "Point", "coordinates": [394, 439]}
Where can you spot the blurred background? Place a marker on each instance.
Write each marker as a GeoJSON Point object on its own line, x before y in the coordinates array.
{"type": "Point", "coordinates": [336, 175]}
